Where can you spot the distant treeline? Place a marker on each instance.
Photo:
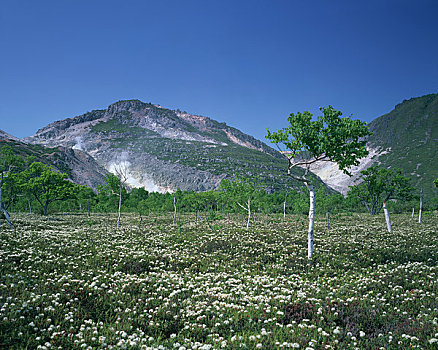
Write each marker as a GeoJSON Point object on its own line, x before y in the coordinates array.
{"type": "Point", "coordinates": [143, 202]}
{"type": "Point", "coordinates": [30, 186]}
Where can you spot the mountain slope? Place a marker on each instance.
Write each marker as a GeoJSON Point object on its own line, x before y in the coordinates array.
{"type": "Point", "coordinates": [406, 138]}
{"type": "Point", "coordinates": [163, 149]}
{"type": "Point", "coordinates": [79, 166]}
{"type": "Point", "coordinates": [409, 133]}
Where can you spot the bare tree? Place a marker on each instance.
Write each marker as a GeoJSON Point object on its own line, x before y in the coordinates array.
{"type": "Point", "coordinates": [121, 171]}
{"type": "Point", "coordinates": [284, 206]}
{"type": "Point", "coordinates": [174, 207]}
{"type": "Point", "coordinates": [248, 209]}
{"type": "Point", "coordinates": [388, 221]}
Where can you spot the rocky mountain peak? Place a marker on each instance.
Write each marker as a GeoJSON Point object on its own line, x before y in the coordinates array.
{"type": "Point", "coordinates": [126, 105]}
{"type": "Point", "coordinates": [162, 149]}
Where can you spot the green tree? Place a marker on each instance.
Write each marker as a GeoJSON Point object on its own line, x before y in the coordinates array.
{"type": "Point", "coordinates": [242, 190]}
{"type": "Point", "coordinates": [114, 188]}
{"type": "Point", "coordinates": [10, 164]}
{"type": "Point", "coordinates": [329, 138]}
{"type": "Point", "coordinates": [435, 182]}
{"type": "Point", "coordinates": [46, 185]}
{"type": "Point", "coordinates": [378, 185]}
{"type": "Point", "coordinates": [86, 197]}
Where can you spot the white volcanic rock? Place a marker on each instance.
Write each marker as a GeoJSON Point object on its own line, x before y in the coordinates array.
{"type": "Point", "coordinates": [331, 175]}
{"type": "Point", "coordinates": [153, 143]}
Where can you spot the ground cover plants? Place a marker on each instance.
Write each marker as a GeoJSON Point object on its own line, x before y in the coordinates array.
{"type": "Point", "coordinates": [75, 282]}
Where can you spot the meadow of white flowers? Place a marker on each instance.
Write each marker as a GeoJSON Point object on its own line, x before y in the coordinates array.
{"type": "Point", "coordinates": [73, 282]}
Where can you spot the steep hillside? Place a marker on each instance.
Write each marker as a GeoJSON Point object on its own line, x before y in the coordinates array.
{"type": "Point", "coordinates": [164, 149]}
{"type": "Point", "coordinates": [406, 138]}
{"type": "Point", "coordinates": [409, 133]}
{"type": "Point", "coordinates": [79, 166]}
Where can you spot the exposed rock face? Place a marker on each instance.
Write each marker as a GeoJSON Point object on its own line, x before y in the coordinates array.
{"type": "Point", "coordinates": [405, 138]}
{"type": "Point", "coordinates": [6, 136]}
{"type": "Point", "coordinates": [162, 149]}
{"type": "Point", "coordinates": [84, 170]}
{"type": "Point", "coordinates": [330, 174]}
{"type": "Point", "coordinates": [78, 165]}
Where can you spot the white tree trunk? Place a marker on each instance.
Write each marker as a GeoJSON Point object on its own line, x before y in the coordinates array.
{"type": "Point", "coordinates": [174, 212]}
{"type": "Point", "coordinates": [421, 206]}
{"type": "Point", "coordinates": [120, 205]}
{"type": "Point", "coordinates": [284, 206]}
{"type": "Point", "coordinates": [328, 220]}
{"type": "Point", "coordinates": [311, 221]}
{"type": "Point", "coordinates": [413, 211]}
{"type": "Point", "coordinates": [388, 221]}
{"type": "Point", "coordinates": [249, 212]}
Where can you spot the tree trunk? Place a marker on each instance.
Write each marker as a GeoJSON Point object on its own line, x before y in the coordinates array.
{"type": "Point", "coordinates": [249, 212]}
{"type": "Point", "coordinates": [388, 221]}
{"type": "Point", "coordinates": [174, 213]}
{"type": "Point", "coordinates": [421, 206]}
{"type": "Point", "coordinates": [413, 211]}
{"type": "Point", "coordinates": [46, 208]}
{"type": "Point", "coordinates": [328, 220]}
{"type": "Point", "coordinates": [30, 207]}
{"type": "Point", "coordinates": [88, 206]}
{"type": "Point", "coordinates": [139, 220]}
{"type": "Point", "coordinates": [120, 205]}
{"type": "Point", "coordinates": [311, 221]}
{"type": "Point", "coordinates": [3, 209]}
{"type": "Point", "coordinates": [284, 206]}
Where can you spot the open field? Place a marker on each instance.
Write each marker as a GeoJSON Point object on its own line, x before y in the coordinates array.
{"type": "Point", "coordinates": [72, 282]}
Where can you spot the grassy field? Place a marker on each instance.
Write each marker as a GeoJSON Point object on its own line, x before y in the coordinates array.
{"type": "Point", "coordinates": [73, 282]}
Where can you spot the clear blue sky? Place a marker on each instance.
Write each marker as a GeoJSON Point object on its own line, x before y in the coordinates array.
{"type": "Point", "coordinates": [246, 63]}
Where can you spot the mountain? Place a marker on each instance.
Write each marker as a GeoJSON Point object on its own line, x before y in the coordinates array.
{"type": "Point", "coordinates": [5, 136]}
{"type": "Point", "coordinates": [79, 166]}
{"type": "Point", "coordinates": [163, 149]}
{"type": "Point", "coordinates": [406, 138]}
{"type": "Point", "coordinates": [409, 135]}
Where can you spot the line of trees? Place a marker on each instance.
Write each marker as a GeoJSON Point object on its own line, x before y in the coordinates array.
{"type": "Point", "coordinates": [26, 184]}
{"type": "Point", "coordinates": [30, 186]}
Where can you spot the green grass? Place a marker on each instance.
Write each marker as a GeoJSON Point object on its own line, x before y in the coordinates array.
{"type": "Point", "coordinates": [71, 282]}
{"type": "Point", "coordinates": [115, 126]}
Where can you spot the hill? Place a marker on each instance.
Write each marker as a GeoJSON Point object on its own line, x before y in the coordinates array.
{"type": "Point", "coordinates": [166, 149]}
{"type": "Point", "coordinates": [406, 138]}
{"type": "Point", "coordinates": [409, 135]}
{"type": "Point", "coordinates": [79, 166]}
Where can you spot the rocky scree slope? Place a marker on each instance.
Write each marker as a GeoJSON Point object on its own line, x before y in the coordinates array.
{"type": "Point", "coordinates": [80, 167]}
{"type": "Point", "coordinates": [163, 149]}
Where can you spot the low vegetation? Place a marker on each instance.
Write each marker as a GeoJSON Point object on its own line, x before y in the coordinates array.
{"type": "Point", "coordinates": [73, 281]}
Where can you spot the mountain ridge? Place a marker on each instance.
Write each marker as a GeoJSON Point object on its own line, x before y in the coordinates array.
{"type": "Point", "coordinates": [406, 138]}
{"type": "Point", "coordinates": [80, 167]}
{"type": "Point", "coordinates": [165, 149]}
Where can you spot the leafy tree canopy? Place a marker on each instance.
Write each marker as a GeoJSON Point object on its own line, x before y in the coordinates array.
{"type": "Point", "coordinates": [46, 185]}
{"type": "Point", "coordinates": [329, 138]}
{"type": "Point", "coordinates": [380, 185]}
